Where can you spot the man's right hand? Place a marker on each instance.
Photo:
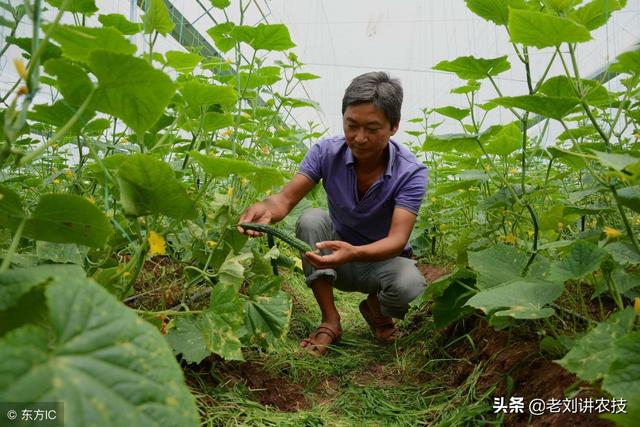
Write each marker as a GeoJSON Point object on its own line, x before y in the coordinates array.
{"type": "Point", "coordinates": [274, 208]}
{"type": "Point", "coordinates": [256, 213]}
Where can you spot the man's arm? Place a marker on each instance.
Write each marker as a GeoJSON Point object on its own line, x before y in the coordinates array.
{"type": "Point", "coordinates": [402, 223]}
{"type": "Point", "coordinates": [274, 208]}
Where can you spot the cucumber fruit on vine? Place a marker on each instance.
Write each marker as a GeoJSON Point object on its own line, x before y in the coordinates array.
{"type": "Point", "coordinates": [269, 229]}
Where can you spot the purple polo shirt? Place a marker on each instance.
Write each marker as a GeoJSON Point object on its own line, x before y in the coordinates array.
{"type": "Point", "coordinates": [366, 220]}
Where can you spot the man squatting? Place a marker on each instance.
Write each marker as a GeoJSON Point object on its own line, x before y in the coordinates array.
{"type": "Point", "coordinates": [374, 189]}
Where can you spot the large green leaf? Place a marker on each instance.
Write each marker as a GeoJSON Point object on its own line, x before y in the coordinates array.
{"type": "Point", "coordinates": [555, 107]}
{"type": "Point", "coordinates": [623, 253]}
{"type": "Point", "coordinates": [218, 166]}
{"type": "Point", "coordinates": [450, 305]}
{"type": "Point", "coordinates": [198, 94]}
{"type": "Point", "coordinates": [570, 158]}
{"type": "Point", "coordinates": [58, 114]}
{"type": "Point", "coordinates": [265, 178]}
{"type": "Point", "coordinates": [584, 258]}
{"type": "Point", "coordinates": [60, 253]}
{"type": "Point", "coordinates": [51, 50]}
{"type": "Point", "coordinates": [222, 36]}
{"type": "Point", "coordinates": [148, 186]}
{"type": "Point", "coordinates": [592, 91]}
{"type": "Point", "coordinates": [120, 23]}
{"type": "Point", "coordinates": [505, 141]}
{"type": "Point", "coordinates": [261, 36]}
{"type": "Point", "coordinates": [130, 89]}
{"type": "Point", "coordinates": [157, 18]}
{"type": "Point", "coordinates": [596, 13]}
{"type": "Point", "coordinates": [623, 378]}
{"type": "Point", "coordinates": [267, 319]}
{"type": "Point", "coordinates": [469, 67]}
{"type": "Point", "coordinates": [73, 82]}
{"type": "Point", "coordinates": [68, 218]}
{"type": "Point", "coordinates": [497, 264]}
{"type": "Point", "coordinates": [577, 133]}
{"type": "Point", "coordinates": [105, 364]}
{"type": "Point", "coordinates": [616, 161]}
{"type": "Point", "coordinates": [496, 11]}
{"type": "Point", "coordinates": [560, 6]}
{"type": "Point", "coordinates": [520, 299]}
{"type": "Point", "coordinates": [183, 62]}
{"type": "Point", "coordinates": [265, 36]}
{"type": "Point", "coordinates": [15, 283]}
{"type": "Point", "coordinates": [630, 197]}
{"type": "Point", "coordinates": [231, 272]}
{"type": "Point", "coordinates": [544, 30]}
{"type": "Point", "coordinates": [85, 7]}
{"type": "Point", "coordinates": [453, 112]}
{"type": "Point", "coordinates": [628, 62]}
{"type": "Point", "coordinates": [462, 143]}
{"type": "Point", "coordinates": [216, 330]}
{"type": "Point", "coordinates": [78, 43]}
{"type": "Point", "coordinates": [11, 211]}
{"type": "Point", "coordinates": [592, 354]}
{"type": "Point", "coordinates": [220, 4]}
{"type": "Point", "coordinates": [213, 121]}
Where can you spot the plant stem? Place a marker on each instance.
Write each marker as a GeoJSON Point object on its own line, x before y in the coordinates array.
{"type": "Point", "coordinates": [61, 132]}
{"type": "Point", "coordinates": [495, 86]}
{"type": "Point", "coordinates": [581, 95]}
{"type": "Point", "coordinates": [625, 220]}
{"type": "Point", "coordinates": [6, 262]}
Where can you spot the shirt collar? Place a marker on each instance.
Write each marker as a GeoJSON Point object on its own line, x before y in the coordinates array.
{"type": "Point", "coordinates": [349, 160]}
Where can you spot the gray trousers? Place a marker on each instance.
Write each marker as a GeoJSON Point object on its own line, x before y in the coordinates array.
{"type": "Point", "coordinates": [396, 281]}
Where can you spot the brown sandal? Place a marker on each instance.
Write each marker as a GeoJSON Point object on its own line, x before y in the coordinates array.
{"type": "Point", "coordinates": [378, 322]}
{"type": "Point", "coordinates": [321, 349]}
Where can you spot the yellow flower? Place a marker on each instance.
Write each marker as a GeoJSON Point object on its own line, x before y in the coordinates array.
{"type": "Point", "coordinates": [637, 135]}
{"type": "Point", "coordinates": [530, 233]}
{"type": "Point", "coordinates": [244, 181]}
{"type": "Point", "coordinates": [560, 226]}
{"type": "Point", "coordinates": [510, 238]}
{"type": "Point", "coordinates": [636, 305]}
{"type": "Point", "coordinates": [68, 173]}
{"type": "Point", "coordinates": [612, 233]}
{"type": "Point", "coordinates": [123, 141]}
{"type": "Point", "coordinates": [54, 146]}
{"type": "Point", "coordinates": [227, 133]}
{"type": "Point", "coordinates": [56, 181]}
{"type": "Point", "coordinates": [228, 61]}
{"type": "Point", "coordinates": [264, 151]}
{"type": "Point", "coordinates": [487, 168]}
{"type": "Point", "coordinates": [20, 68]}
{"type": "Point", "coordinates": [230, 192]}
{"type": "Point", "coordinates": [514, 171]}
{"type": "Point", "coordinates": [157, 244]}
{"type": "Point", "coordinates": [638, 221]}
{"type": "Point", "coordinates": [433, 200]}
{"type": "Point", "coordinates": [212, 244]}
{"type": "Point", "coordinates": [126, 274]}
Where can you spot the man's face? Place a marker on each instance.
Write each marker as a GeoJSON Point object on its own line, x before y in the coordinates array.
{"type": "Point", "coordinates": [366, 130]}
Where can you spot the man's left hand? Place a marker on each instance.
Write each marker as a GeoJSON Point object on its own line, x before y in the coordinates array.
{"type": "Point", "coordinates": [341, 252]}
